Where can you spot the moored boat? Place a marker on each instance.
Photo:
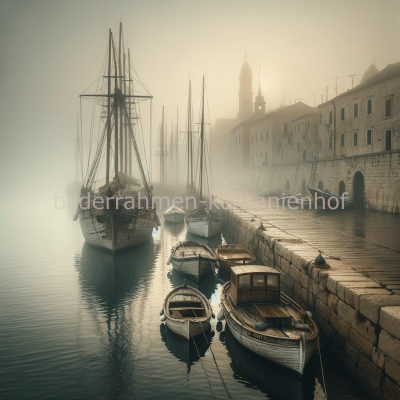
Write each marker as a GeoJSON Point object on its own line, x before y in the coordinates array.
{"type": "Point", "coordinates": [192, 259]}
{"type": "Point", "coordinates": [321, 195]}
{"type": "Point", "coordinates": [174, 214]}
{"type": "Point", "coordinates": [268, 193]}
{"type": "Point", "coordinates": [186, 312]}
{"type": "Point", "coordinates": [266, 321]}
{"type": "Point", "coordinates": [230, 255]}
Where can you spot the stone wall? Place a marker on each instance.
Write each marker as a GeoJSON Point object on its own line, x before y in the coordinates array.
{"type": "Point", "coordinates": [356, 316]}
{"type": "Point", "coordinates": [381, 173]}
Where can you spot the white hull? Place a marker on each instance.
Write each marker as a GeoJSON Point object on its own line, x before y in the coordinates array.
{"type": "Point", "coordinates": [187, 328]}
{"type": "Point", "coordinates": [194, 267]}
{"type": "Point", "coordinates": [204, 226]}
{"type": "Point", "coordinates": [130, 227]}
{"type": "Point", "coordinates": [175, 217]}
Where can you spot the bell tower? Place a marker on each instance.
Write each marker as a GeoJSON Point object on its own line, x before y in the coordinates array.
{"type": "Point", "coordinates": [245, 91]}
{"type": "Point", "coordinates": [259, 103]}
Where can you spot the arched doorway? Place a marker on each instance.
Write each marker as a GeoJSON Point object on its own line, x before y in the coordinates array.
{"type": "Point", "coordinates": [342, 188]}
{"type": "Point", "coordinates": [287, 185]}
{"type": "Point", "coordinates": [303, 187]}
{"type": "Point", "coordinates": [320, 185]}
{"type": "Point", "coordinates": [358, 189]}
{"type": "Point", "coordinates": [304, 156]}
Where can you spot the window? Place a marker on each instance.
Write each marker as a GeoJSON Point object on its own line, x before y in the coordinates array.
{"type": "Point", "coordinates": [355, 139]}
{"type": "Point", "coordinates": [330, 142]}
{"type": "Point", "coordinates": [309, 143]}
{"type": "Point", "coordinates": [369, 107]}
{"type": "Point", "coordinates": [319, 144]}
{"type": "Point", "coordinates": [356, 110]}
{"type": "Point", "coordinates": [298, 147]}
{"type": "Point", "coordinates": [369, 136]}
{"type": "Point", "coordinates": [258, 280]}
{"type": "Point", "coordinates": [342, 140]}
{"type": "Point", "coordinates": [244, 281]}
{"type": "Point", "coordinates": [330, 117]}
{"type": "Point", "coordinates": [320, 118]}
{"type": "Point", "coordinates": [273, 282]}
{"type": "Point", "coordinates": [389, 140]}
{"type": "Point", "coordinates": [342, 114]}
{"type": "Point", "coordinates": [388, 108]}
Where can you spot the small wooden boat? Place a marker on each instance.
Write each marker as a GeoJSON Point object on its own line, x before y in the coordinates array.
{"type": "Point", "coordinates": [326, 194]}
{"type": "Point", "coordinates": [187, 311]}
{"type": "Point", "coordinates": [229, 255]}
{"type": "Point", "coordinates": [192, 259]}
{"type": "Point", "coordinates": [204, 222]}
{"type": "Point", "coordinates": [266, 321]}
{"type": "Point", "coordinates": [174, 214]}
{"type": "Point", "coordinates": [268, 193]}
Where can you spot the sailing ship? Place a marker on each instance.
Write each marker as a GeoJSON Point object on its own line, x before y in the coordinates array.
{"type": "Point", "coordinates": [265, 320]}
{"type": "Point", "coordinates": [186, 312]}
{"type": "Point", "coordinates": [192, 259]}
{"type": "Point", "coordinates": [230, 255]}
{"type": "Point", "coordinates": [203, 221]}
{"type": "Point", "coordinates": [121, 213]}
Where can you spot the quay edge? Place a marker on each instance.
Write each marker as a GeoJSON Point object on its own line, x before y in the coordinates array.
{"type": "Point", "coordinates": [357, 317]}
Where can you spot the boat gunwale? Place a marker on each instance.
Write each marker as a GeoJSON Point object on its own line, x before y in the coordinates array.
{"type": "Point", "coordinates": [202, 298]}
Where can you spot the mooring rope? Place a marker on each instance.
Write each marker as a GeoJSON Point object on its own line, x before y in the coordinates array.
{"type": "Point", "coordinates": [322, 369]}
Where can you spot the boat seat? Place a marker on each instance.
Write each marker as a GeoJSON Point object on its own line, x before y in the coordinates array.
{"type": "Point", "coordinates": [186, 308]}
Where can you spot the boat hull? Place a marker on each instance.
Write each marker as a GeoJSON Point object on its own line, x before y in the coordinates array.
{"type": "Point", "coordinates": [174, 218]}
{"type": "Point", "coordinates": [194, 267]}
{"type": "Point", "coordinates": [118, 230]}
{"type": "Point", "coordinates": [187, 328]}
{"type": "Point", "coordinates": [204, 227]}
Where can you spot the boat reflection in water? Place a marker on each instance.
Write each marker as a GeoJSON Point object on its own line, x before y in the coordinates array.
{"type": "Point", "coordinates": [185, 351]}
{"type": "Point", "coordinates": [212, 242]}
{"type": "Point", "coordinates": [270, 378]}
{"type": "Point", "coordinates": [207, 286]}
{"type": "Point", "coordinates": [115, 291]}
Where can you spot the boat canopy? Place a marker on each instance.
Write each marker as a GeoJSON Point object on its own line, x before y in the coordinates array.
{"type": "Point", "coordinates": [255, 284]}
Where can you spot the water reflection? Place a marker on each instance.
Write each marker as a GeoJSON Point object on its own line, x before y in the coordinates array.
{"type": "Point", "coordinates": [114, 290]}
{"type": "Point", "coordinates": [185, 351]}
{"type": "Point", "coordinates": [269, 377]}
{"type": "Point", "coordinates": [212, 242]}
{"type": "Point", "coordinates": [207, 285]}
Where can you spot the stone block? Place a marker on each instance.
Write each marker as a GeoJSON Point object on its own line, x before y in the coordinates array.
{"type": "Point", "coordinates": [323, 278]}
{"type": "Point", "coordinates": [366, 328]}
{"type": "Point", "coordinates": [392, 368]}
{"type": "Point", "coordinates": [369, 376]}
{"type": "Point", "coordinates": [390, 320]}
{"type": "Point", "coordinates": [314, 288]}
{"type": "Point", "coordinates": [304, 280]}
{"type": "Point", "coordinates": [285, 266]}
{"type": "Point", "coordinates": [389, 345]}
{"type": "Point", "coordinates": [344, 330]}
{"type": "Point", "coordinates": [324, 327]}
{"type": "Point", "coordinates": [352, 295]}
{"type": "Point", "coordinates": [391, 390]}
{"type": "Point", "coordinates": [304, 295]}
{"type": "Point", "coordinates": [347, 313]}
{"type": "Point", "coordinates": [322, 294]}
{"type": "Point", "coordinates": [361, 344]}
{"type": "Point", "coordinates": [331, 285]}
{"type": "Point", "coordinates": [370, 305]}
{"type": "Point", "coordinates": [322, 310]}
{"type": "Point", "coordinates": [352, 353]}
{"type": "Point", "coordinates": [295, 273]}
{"type": "Point", "coordinates": [378, 358]}
{"type": "Point", "coordinates": [334, 320]}
{"type": "Point", "coordinates": [333, 302]}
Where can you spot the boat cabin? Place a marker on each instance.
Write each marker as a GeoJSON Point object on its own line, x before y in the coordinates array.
{"type": "Point", "coordinates": [255, 284]}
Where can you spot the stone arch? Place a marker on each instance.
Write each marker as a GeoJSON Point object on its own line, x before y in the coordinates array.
{"type": "Point", "coordinates": [287, 185]}
{"type": "Point", "coordinates": [342, 188]}
{"type": "Point", "coordinates": [304, 157]}
{"type": "Point", "coordinates": [303, 187]}
{"type": "Point", "coordinates": [320, 185]}
{"type": "Point", "coordinates": [358, 189]}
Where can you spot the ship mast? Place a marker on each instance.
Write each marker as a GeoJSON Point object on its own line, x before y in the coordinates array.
{"type": "Point", "coordinates": [121, 129]}
{"type": "Point", "coordinates": [162, 149]}
{"type": "Point", "coordinates": [130, 112]}
{"type": "Point", "coordinates": [108, 112]}
{"type": "Point", "coordinates": [201, 144]}
{"type": "Point", "coordinates": [189, 138]}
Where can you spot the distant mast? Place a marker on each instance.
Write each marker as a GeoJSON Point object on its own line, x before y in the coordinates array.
{"type": "Point", "coordinates": [201, 144]}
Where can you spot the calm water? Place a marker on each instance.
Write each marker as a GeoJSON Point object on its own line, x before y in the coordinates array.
{"type": "Point", "coordinates": [76, 323]}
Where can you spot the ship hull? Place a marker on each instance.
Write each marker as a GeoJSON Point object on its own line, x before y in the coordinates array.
{"type": "Point", "coordinates": [174, 218]}
{"type": "Point", "coordinates": [115, 231]}
{"type": "Point", "coordinates": [203, 226]}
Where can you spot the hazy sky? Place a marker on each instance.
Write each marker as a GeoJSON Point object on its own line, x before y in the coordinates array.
{"type": "Point", "coordinates": [51, 51]}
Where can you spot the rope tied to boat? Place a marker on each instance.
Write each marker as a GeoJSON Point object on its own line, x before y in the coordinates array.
{"type": "Point", "coordinates": [322, 369]}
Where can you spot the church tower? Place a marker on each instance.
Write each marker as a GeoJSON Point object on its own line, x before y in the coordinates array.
{"type": "Point", "coordinates": [259, 104]}
{"type": "Point", "coordinates": [245, 91]}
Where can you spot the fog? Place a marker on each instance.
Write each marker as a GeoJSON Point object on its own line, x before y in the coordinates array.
{"type": "Point", "coordinates": [51, 51]}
